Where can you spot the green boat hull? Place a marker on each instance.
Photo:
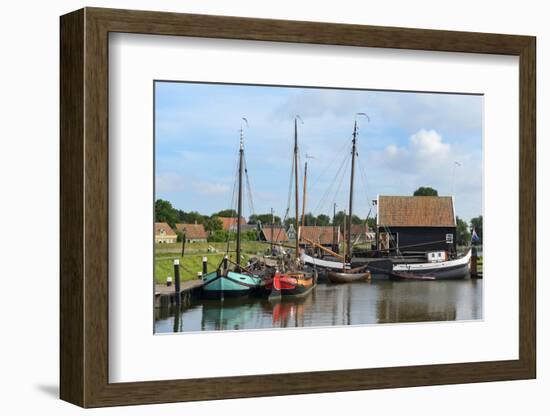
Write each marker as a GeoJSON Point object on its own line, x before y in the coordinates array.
{"type": "Point", "coordinates": [230, 284]}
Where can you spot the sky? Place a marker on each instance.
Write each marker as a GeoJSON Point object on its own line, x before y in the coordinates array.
{"type": "Point", "coordinates": [409, 139]}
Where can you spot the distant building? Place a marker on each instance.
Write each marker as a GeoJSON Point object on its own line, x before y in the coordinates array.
{"type": "Point", "coordinates": [291, 232]}
{"type": "Point", "coordinates": [164, 233]}
{"type": "Point", "coordinates": [326, 236]}
{"type": "Point", "coordinates": [230, 223]}
{"type": "Point", "coordinates": [194, 233]}
{"type": "Point", "coordinates": [279, 235]}
{"type": "Point", "coordinates": [361, 233]}
{"type": "Point", "coordinates": [416, 224]}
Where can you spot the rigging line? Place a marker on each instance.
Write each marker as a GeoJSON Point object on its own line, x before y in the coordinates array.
{"type": "Point", "coordinates": [343, 173]}
{"type": "Point", "coordinates": [249, 188]}
{"type": "Point", "coordinates": [328, 191]}
{"type": "Point", "coordinates": [364, 174]}
{"type": "Point", "coordinates": [340, 153]}
{"type": "Point", "coordinates": [235, 172]}
{"type": "Point", "coordinates": [234, 195]}
{"type": "Point", "coordinates": [363, 180]}
{"type": "Point", "coordinates": [290, 186]}
{"type": "Point", "coordinates": [337, 190]}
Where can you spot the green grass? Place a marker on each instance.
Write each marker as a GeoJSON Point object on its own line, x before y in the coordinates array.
{"type": "Point", "coordinates": [194, 248]}
{"type": "Point", "coordinates": [191, 262]}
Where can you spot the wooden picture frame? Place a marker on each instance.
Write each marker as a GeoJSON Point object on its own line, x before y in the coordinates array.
{"type": "Point", "coordinates": [84, 207]}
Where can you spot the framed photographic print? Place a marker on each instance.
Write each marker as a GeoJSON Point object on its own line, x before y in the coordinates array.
{"type": "Point", "coordinates": [255, 207]}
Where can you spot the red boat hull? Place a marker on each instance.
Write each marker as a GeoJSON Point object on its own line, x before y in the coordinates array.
{"type": "Point", "coordinates": [290, 285]}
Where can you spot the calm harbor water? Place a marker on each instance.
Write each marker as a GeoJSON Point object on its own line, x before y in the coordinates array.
{"type": "Point", "coordinates": [329, 305]}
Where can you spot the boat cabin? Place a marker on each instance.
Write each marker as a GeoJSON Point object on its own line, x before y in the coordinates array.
{"type": "Point", "coordinates": [436, 256]}
{"type": "Point", "coordinates": [417, 225]}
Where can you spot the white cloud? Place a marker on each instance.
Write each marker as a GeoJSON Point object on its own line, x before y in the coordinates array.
{"type": "Point", "coordinates": [210, 189]}
{"type": "Point", "coordinates": [169, 182]}
{"type": "Point", "coordinates": [172, 182]}
{"type": "Point", "coordinates": [426, 151]}
{"type": "Point", "coordinates": [428, 144]}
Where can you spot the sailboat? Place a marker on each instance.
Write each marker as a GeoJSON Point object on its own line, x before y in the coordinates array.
{"type": "Point", "coordinates": [296, 282]}
{"type": "Point", "coordinates": [348, 275]}
{"type": "Point", "coordinates": [224, 282]}
{"type": "Point", "coordinates": [385, 266]}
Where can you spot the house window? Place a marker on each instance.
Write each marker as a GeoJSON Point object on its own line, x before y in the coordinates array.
{"type": "Point", "coordinates": [449, 238]}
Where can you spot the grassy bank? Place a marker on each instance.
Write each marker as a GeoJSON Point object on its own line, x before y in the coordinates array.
{"type": "Point", "coordinates": [190, 265]}
{"type": "Point", "coordinates": [191, 262]}
{"type": "Point", "coordinates": [197, 248]}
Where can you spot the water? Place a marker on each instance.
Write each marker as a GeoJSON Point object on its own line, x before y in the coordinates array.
{"type": "Point", "coordinates": [375, 302]}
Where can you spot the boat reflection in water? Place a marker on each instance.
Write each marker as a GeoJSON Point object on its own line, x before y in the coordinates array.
{"type": "Point", "coordinates": [374, 302]}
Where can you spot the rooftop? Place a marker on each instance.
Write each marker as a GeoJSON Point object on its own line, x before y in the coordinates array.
{"type": "Point", "coordinates": [416, 211]}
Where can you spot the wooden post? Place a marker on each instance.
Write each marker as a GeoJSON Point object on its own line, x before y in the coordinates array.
{"type": "Point", "coordinates": [177, 285]}
{"type": "Point", "coordinates": [204, 265]}
{"type": "Point", "coordinates": [183, 238]}
{"type": "Point", "coordinates": [177, 319]}
{"type": "Point", "coordinates": [225, 261]}
{"type": "Point", "coordinates": [473, 263]}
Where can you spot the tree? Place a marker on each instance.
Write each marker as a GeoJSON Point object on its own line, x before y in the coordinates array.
{"type": "Point", "coordinates": [371, 222]}
{"type": "Point", "coordinates": [289, 221]}
{"type": "Point", "coordinates": [265, 219]}
{"type": "Point", "coordinates": [425, 191]}
{"type": "Point", "coordinates": [462, 232]}
{"type": "Point", "coordinates": [309, 219]}
{"type": "Point", "coordinates": [191, 217]}
{"type": "Point", "coordinates": [477, 225]}
{"type": "Point", "coordinates": [356, 220]}
{"type": "Point", "coordinates": [250, 235]}
{"type": "Point", "coordinates": [165, 212]}
{"type": "Point", "coordinates": [213, 224]}
{"type": "Point", "coordinates": [323, 220]}
{"type": "Point", "coordinates": [339, 219]}
{"type": "Point", "coordinates": [218, 236]}
{"type": "Point", "coordinates": [226, 213]}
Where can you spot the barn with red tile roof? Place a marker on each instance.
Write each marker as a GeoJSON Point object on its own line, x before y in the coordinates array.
{"type": "Point", "coordinates": [279, 235]}
{"type": "Point", "coordinates": [164, 233]}
{"type": "Point", "coordinates": [230, 223]}
{"type": "Point", "coordinates": [415, 224]}
{"type": "Point", "coordinates": [194, 233]}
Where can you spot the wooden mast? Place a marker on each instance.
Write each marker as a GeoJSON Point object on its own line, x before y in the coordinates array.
{"type": "Point", "coordinates": [334, 239]}
{"type": "Point", "coordinates": [304, 196]}
{"type": "Point", "coordinates": [353, 152]}
{"type": "Point", "coordinates": [272, 229]}
{"type": "Point", "coordinates": [296, 185]}
{"type": "Point", "coordinates": [240, 202]}
{"type": "Point", "coordinates": [344, 240]}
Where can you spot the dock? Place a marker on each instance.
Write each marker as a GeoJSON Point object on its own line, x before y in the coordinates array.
{"type": "Point", "coordinates": [166, 296]}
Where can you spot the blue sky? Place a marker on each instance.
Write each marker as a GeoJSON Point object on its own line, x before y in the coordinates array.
{"type": "Point", "coordinates": [412, 139]}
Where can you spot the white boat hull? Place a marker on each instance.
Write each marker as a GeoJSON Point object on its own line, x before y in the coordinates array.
{"type": "Point", "coordinates": [451, 269]}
